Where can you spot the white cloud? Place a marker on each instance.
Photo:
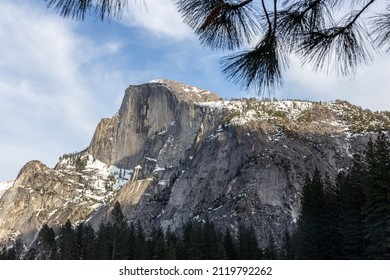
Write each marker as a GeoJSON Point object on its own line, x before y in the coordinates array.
{"type": "Point", "coordinates": [159, 17]}
{"type": "Point", "coordinates": [369, 88]}
{"type": "Point", "coordinates": [47, 101]}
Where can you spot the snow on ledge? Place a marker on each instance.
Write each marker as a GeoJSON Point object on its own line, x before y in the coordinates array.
{"type": "Point", "coordinates": [4, 186]}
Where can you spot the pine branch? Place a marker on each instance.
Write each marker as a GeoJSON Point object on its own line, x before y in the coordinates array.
{"type": "Point", "coordinates": [342, 47]}
{"type": "Point", "coordinates": [75, 9]}
{"type": "Point", "coordinates": [380, 24]}
{"type": "Point", "coordinates": [359, 13]}
{"type": "Point", "coordinates": [301, 18]}
{"type": "Point", "coordinates": [259, 68]}
{"type": "Point", "coordinates": [78, 9]}
{"type": "Point", "coordinates": [220, 24]}
{"type": "Point", "coordinates": [267, 16]}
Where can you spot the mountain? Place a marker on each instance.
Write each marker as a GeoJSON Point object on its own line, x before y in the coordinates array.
{"type": "Point", "coordinates": [176, 153]}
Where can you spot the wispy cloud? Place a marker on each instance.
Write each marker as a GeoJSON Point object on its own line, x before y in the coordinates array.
{"type": "Point", "coordinates": [369, 88]}
{"type": "Point", "coordinates": [159, 17]}
{"type": "Point", "coordinates": [46, 101]}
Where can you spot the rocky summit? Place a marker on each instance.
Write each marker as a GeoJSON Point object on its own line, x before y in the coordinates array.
{"type": "Point", "coordinates": [176, 153]}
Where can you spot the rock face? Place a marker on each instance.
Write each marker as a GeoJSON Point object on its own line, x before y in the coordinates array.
{"type": "Point", "coordinates": [148, 113]}
{"type": "Point", "coordinates": [175, 153]}
{"type": "Point", "coordinates": [42, 195]}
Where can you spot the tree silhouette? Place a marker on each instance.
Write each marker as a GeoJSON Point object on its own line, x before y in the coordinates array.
{"type": "Point", "coordinates": [377, 194]}
{"type": "Point", "coordinates": [78, 9]}
{"type": "Point", "coordinates": [331, 35]}
{"type": "Point", "coordinates": [67, 242]}
{"type": "Point", "coordinates": [311, 222]}
{"type": "Point", "coordinates": [47, 243]}
{"type": "Point", "coordinates": [352, 214]}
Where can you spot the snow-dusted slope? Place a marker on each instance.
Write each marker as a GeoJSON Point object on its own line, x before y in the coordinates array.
{"type": "Point", "coordinates": [73, 190]}
{"type": "Point", "coordinates": [5, 186]}
{"type": "Point", "coordinates": [303, 116]}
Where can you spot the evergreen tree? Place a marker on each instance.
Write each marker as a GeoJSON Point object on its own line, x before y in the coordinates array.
{"type": "Point", "coordinates": [120, 248]}
{"type": "Point", "coordinates": [212, 244]}
{"type": "Point", "coordinates": [47, 245]}
{"type": "Point", "coordinates": [18, 248]}
{"type": "Point", "coordinates": [230, 246]}
{"type": "Point", "coordinates": [311, 220]}
{"type": "Point", "coordinates": [131, 241]}
{"type": "Point", "coordinates": [352, 200]}
{"type": "Point", "coordinates": [104, 242]}
{"type": "Point", "coordinates": [195, 242]}
{"type": "Point", "coordinates": [8, 254]}
{"type": "Point", "coordinates": [140, 243]}
{"type": "Point", "coordinates": [180, 250]}
{"type": "Point", "coordinates": [31, 254]}
{"type": "Point", "coordinates": [160, 251]}
{"type": "Point", "coordinates": [248, 247]}
{"type": "Point", "coordinates": [287, 251]}
{"type": "Point", "coordinates": [271, 251]}
{"type": "Point", "coordinates": [172, 243]}
{"type": "Point", "coordinates": [67, 242]}
{"type": "Point", "coordinates": [377, 194]}
{"type": "Point", "coordinates": [86, 242]}
{"type": "Point", "coordinates": [331, 239]}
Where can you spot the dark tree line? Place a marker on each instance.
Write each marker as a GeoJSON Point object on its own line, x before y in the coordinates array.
{"type": "Point", "coordinates": [120, 241]}
{"type": "Point", "coordinates": [350, 220]}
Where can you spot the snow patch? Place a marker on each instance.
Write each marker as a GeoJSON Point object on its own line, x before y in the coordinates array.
{"type": "Point", "coordinates": [156, 81]}
{"type": "Point", "coordinates": [157, 169]}
{"type": "Point", "coordinates": [4, 186]}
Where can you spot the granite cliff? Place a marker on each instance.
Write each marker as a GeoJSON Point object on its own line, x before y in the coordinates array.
{"type": "Point", "coordinates": [175, 153]}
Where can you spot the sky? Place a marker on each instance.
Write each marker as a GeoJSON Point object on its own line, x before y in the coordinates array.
{"type": "Point", "coordinates": [59, 77]}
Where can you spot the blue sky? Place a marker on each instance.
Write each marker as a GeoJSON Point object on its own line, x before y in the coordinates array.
{"type": "Point", "coordinates": [59, 77]}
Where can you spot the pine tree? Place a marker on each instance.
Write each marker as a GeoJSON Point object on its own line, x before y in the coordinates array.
{"type": "Point", "coordinates": [311, 220]}
{"type": "Point", "coordinates": [120, 249]}
{"type": "Point", "coordinates": [248, 247]}
{"type": "Point", "coordinates": [131, 241]}
{"type": "Point", "coordinates": [230, 246]}
{"type": "Point", "coordinates": [352, 200]}
{"type": "Point", "coordinates": [47, 245]}
{"type": "Point", "coordinates": [8, 254]}
{"type": "Point", "coordinates": [140, 243]}
{"type": "Point", "coordinates": [171, 241]}
{"type": "Point", "coordinates": [86, 241]}
{"type": "Point", "coordinates": [31, 254]}
{"type": "Point", "coordinates": [331, 239]}
{"type": "Point", "coordinates": [181, 250]}
{"type": "Point", "coordinates": [160, 251]}
{"type": "Point", "coordinates": [211, 243]}
{"type": "Point", "coordinates": [67, 242]}
{"type": "Point", "coordinates": [377, 194]}
{"type": "Point", "coordinates": [195, 243]}
{"type": "Point", "coordinates": [271, 251]}
{"type": "Point", "coordinates": [287, 250]}
{"type": "Point", "coordinates": [104, 242]}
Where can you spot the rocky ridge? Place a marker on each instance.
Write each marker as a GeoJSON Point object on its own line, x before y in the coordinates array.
{"type": "Point", "coordinates": [175, 153]}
